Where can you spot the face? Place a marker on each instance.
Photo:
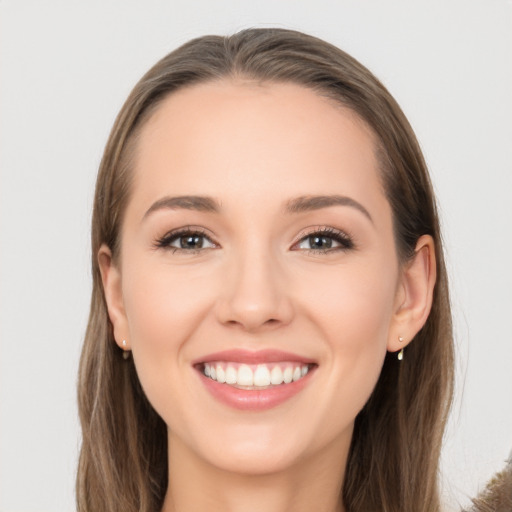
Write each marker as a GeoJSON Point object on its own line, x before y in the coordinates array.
{"type": "Point", "coordinates": [257, 248]}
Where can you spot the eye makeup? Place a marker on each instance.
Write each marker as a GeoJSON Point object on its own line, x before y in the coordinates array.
{"type": "Point", "coordinates": [316, 240]}
{"type": "Point", "coordinates": [323, 239]}
{"type": "Point", "coordinates": [188, 239]}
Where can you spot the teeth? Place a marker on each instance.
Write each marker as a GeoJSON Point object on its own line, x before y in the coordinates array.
{"type": "Point", "coordinates": [231, 375]}
{"type": "Point", "coordinates": [221, 375]}
{"type": "Point", "coordinates": [276, 376]}
{"type": "Point", "coordinates": [245, 376]}
{"type": "Point", "coordinates": [262, 376]}
{"type": "Point", "coordinates": [255, 376]}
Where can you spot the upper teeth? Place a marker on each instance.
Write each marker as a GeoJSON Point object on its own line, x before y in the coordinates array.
{"type": "Point", "coordinates": [260, 375]}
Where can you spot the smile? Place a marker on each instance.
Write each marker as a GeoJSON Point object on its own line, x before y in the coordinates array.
{"type": "Point", "coordinates": [261, 376]}
{"type": "Point", "coordinates": [254, 381]}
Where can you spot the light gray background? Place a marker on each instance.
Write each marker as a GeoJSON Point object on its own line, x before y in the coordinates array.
{"type": "Point", "coordinates": [67, 66]}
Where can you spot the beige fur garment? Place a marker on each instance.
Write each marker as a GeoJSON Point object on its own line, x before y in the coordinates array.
{"type": "Point", "coordinates": [497, 496]}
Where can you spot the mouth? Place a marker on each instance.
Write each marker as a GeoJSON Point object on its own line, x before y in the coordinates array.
{"type": "Point", "coordinates": [254, 380]}
{"type": "Point", "coordinates": [255, 377]}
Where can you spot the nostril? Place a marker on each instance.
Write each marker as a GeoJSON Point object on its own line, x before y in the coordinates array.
{"type": "Point", "coordinates": [256, 325]}
{"type": "Point", "coordinates": [253, 309]}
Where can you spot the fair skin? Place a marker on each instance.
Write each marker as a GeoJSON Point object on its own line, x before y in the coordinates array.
{"type": "Point", "coordinates": [258, 265]}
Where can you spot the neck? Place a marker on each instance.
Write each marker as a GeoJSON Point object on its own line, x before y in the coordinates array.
{"type": "Point", "coordinates": [312, 484]}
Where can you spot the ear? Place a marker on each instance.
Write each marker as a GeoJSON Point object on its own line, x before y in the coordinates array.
{"type": "Point", "coordinates": [112, 288]}
{"type": "Point", "coordinates": [414, 294]}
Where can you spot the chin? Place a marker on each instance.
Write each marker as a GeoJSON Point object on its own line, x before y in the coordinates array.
{"type": "Point", "coordinates": [247, 449]}
{"type": "Point", "coordinates": [256, 462]}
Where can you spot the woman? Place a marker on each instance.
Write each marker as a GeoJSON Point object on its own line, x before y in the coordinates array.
{"type": "Point", "coordinates": [270, 325]}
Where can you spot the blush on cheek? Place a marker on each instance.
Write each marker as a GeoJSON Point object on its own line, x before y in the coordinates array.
{"type": "Point", "coordinates": [358, 324]}
{"type": "Point", "coordinates": [162, 311]}
{"type": "Point", "coordinates": [360, 315]}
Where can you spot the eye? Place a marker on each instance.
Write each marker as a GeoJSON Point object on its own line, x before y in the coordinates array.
{"type": "Point", "coordinates": [324, 240]}
{"type": "Point", "coordinates": [191, 241]}
{"type": "Point", "coordinates": [188, 240]}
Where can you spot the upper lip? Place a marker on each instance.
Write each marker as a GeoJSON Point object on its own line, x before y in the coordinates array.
{"type": "Point", "coordinates": [253, 357]}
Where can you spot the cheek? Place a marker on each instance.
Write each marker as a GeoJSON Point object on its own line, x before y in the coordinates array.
{"type": "Point", "coordinates": [354, 312]}
{"type": "Point", "coordinates": [354, 304]}
{"type": "Point", "coordinates": [162, 304]}
{"type": "Point", "coordinates": [163, 307]}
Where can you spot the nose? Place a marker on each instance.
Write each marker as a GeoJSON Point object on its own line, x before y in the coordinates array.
{"type": "Point", "coordinates": [255, 295]}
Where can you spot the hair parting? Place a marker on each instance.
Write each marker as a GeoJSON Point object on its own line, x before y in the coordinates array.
{"type": "Point", "coordinates": [393, 460]}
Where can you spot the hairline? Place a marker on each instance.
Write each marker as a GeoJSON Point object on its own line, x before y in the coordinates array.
{"type": "Point", "coordinates": [130, 148]}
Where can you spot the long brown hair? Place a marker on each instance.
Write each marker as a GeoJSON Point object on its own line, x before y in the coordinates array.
{"type": "Point", "coordinates": [393, 460]}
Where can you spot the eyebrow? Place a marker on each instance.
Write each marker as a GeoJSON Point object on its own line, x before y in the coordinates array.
{"type": "Point", "coordinates": [310, 203]}
{"type": "Point", "coordinates": [198, 203]}
{"type": "Point", "coordinates": [296, 205]}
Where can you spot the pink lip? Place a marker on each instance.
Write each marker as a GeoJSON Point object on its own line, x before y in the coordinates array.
{"type": "Point", "coordinates": [253, 399]}
{"type": "Point", "coordinates": [253, 357]}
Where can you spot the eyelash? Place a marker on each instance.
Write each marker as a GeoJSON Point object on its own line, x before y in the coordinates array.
{"type": "Point", "coordinates": [188, 231]}
{"type": "Point", "coordinates": [345, 241]}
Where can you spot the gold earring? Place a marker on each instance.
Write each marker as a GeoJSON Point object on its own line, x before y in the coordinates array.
{"type": "Point", "coordinates": [401, 353]}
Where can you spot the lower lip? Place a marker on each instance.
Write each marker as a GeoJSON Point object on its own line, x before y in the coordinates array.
{"type": "Point", "coordinates": [254, 399]}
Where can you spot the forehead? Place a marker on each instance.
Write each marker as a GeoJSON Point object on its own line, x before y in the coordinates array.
{"type": "Point", "coordinates": [252, 138]}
